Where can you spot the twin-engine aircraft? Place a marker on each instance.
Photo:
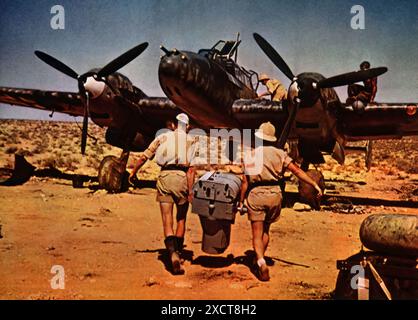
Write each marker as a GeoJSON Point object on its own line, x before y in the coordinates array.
{"type": "Point", "coordinates": [110, 100]}
{"type": "Point", "coordinates": [216, 92]}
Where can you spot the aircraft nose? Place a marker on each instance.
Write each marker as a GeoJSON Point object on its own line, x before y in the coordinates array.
{"type": "Point", "coordinates": [167, 64]}
{"type": "Point", "coordinates": [174, 63]}
{"type": "Point", "coordinates": [171, 65]}
{"type": "Point", "coordinates": [183, 74]}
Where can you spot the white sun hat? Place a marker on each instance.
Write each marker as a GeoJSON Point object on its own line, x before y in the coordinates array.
{"type": "Point", "coordinates": [266, 132]}
{"type": "Point", "coordinates": [182, 117]}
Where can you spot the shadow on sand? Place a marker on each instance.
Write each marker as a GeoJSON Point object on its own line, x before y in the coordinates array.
{"type": "Point", "coordinates": [186, 255]}
{"type": "Point", "coordinates": [23, 171]}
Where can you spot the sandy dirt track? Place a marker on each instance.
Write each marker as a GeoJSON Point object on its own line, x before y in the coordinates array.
{"type": "Point", "coordinates": [111, 246]}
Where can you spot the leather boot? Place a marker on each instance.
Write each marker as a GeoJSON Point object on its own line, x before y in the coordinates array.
{"type": "Point", "coordinates": [171, 245]}
{"type": "Point", "coordinates": [180, 244]}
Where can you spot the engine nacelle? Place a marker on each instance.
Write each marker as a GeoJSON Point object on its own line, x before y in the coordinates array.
{"type": "Point", "coordinates": [117, 138]}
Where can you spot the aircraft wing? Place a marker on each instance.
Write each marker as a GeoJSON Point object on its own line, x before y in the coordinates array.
{"type": "Point", "coordinates": [250, 113]}
{"type": "Point", "coordinates": [155, 111]}
{"type": "Point", "coordinates": [64, 102]}
{"type": "Point", "coordinates": [379, 121]}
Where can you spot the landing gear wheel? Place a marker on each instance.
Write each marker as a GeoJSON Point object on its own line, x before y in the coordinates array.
{"type": "Point", "coordinates": [307, 193]}
{"type": "Point", "coordinates": [113, 175]}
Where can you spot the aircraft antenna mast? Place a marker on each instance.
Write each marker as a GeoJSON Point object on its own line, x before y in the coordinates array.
{"type": "Point", "coordinates": [236, 51]}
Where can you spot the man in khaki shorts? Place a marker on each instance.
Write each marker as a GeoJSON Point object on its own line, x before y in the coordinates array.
{"type": "Point", "coordinates": [262, 193]}
{"type": "Point", "coordinates": [170, 151]}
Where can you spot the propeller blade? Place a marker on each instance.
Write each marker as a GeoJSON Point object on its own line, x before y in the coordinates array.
{"type": "Point", "coordinates": [85, 125]}
{"type": "Point", "coordinates": [351, 77]}
{"type": "Point", "coordinates": [84, 131]}
{"type": "Point", "coordinates": [56, 64]}
{"type": "Point", "coordinates": [288, 125]}
{"type": "Point", "coordinates": [84, 134]}
{"type": "Point", "coordinates": [274, 56]}
{"type": "Point", "coordinates": [122, 60]}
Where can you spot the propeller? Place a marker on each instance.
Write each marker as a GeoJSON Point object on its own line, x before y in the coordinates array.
{"type": "Point", "coordinates": [84, 131]}
{"type": "Point", "coordinates": [300, 91]}
{"type": "Point", "coordinates": [351, 77]}
{"type": "Point", "coordinates": [288, 125]}
{"type": "Point", "coordinates": [274, 56]}
{"type": "Point", "coordinates": [56, 64]}
{"type": "Point", "coordinates": [82, 80]}
{"type": "Point", "coordinates": [122, 60]}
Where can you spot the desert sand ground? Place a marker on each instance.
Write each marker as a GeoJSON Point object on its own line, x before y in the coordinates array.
{"type": "Point", "coordinates": [111, 245]}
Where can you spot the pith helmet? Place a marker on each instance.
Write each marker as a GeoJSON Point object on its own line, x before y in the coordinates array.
{"type": "Point", "coordinates": [263, 76]}
{"type": "Point", "coordinates": [365, 65]}
{"type": "Point", "coordinates": [182, 117]}
{"type": "Point", "coordinates": [266, 132]}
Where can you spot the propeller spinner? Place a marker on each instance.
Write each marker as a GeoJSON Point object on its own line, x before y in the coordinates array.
{"type": "Point", "coordinates": [92, 84]}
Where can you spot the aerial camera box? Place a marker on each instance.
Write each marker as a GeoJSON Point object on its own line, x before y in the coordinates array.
{"type": "Point", "coordinates": [215, 196]}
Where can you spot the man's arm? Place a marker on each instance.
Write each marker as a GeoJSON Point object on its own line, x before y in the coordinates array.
{"type": "Point", "coordinates": [244, 188]}
{"type": "Point", "coordinates": [191, 173]}
{"type": "Point", "coordinates": [139, 164]}
{"type": "Point", "coordinates": [298, 172]}
{"type": "Point", "coordinates": [148, 154]}
{"type": "Point", "coordinates": [374, 90]}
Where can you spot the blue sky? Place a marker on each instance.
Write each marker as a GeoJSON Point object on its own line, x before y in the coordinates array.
{"type": "Point", "coordinates": [310, 35]}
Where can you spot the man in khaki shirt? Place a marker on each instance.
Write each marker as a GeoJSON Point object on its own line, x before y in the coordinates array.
{"type": "Point", "coordinates": [264, 197]}
{"type": "Point", "coordinates": [170, 151]}
{"type": "Point", "coordinates": [275, 88]}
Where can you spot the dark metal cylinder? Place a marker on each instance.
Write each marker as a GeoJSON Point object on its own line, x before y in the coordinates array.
{"type": "Point", "coordinates": [216, 235]}
{"type": "Point", "coordinates": [391, 233]}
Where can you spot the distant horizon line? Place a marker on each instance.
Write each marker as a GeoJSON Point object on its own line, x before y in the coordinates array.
{"type": "Point", "coordinates": [45, 120]}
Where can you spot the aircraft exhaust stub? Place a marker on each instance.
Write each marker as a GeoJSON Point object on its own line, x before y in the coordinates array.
{"type": "Point", "coordinates": [215, 196]}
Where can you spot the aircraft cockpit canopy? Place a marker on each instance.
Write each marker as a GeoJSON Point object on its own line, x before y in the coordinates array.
{"type": "Point", "coordinates": [225, 53]}
{"type": "Point", "coordinates": [222, 49]}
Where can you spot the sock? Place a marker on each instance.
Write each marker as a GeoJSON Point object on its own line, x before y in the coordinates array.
{"type": "Point", "coordinates": [260, 262]}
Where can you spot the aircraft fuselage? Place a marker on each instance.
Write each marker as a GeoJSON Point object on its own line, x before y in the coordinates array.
{"type": "Point", "coordinates": [204, 87]}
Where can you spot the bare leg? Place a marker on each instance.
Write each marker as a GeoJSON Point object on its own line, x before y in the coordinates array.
{"type": "Point", "coordinates": [170, 240]}
{"type": "Point", "coordinates": [260, 242]}
{"type": "Point", "coordinates": [266, 237]}
{"type": "Point", "coordinates": [181, 219]}
{"type": "Point", "coordinates": [167, 217]}
{"type": "Point", "coordinates": [258, 232]}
